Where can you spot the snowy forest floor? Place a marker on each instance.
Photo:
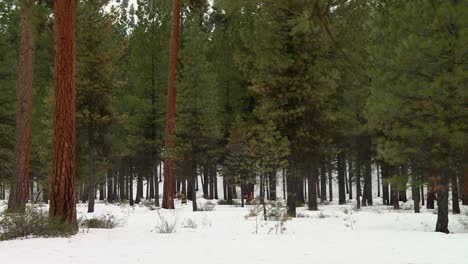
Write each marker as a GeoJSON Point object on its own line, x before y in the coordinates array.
{"type": "Point", "coordinates": [335, 234]}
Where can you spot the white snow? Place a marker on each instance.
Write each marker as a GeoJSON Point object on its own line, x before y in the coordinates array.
{"type": "Point", "coordinates": [336, 234]}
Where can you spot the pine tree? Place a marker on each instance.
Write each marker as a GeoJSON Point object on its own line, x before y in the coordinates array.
{"type": "Point", "coordinates": [416, 100]}
{"type": "Point", "coordinates": [62, 187]}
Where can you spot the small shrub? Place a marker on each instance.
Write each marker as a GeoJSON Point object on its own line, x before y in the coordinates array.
{"type": "Point", "coordinates": [228, 202]}
{"type": "Point", "coordinates": [301, 215]}
{"type": "Point", "coordinates": [149, 204]}
{"type": "Point", "coordinates": [32, 223]}
{"type": "Point", "coordinates": [208, 206]}
{"type": "Point", "coordinates": [166, 225]}
{"type": "Point", "coordinates": [277, 212]}
{"type": "Point", "coordinates": [107, 221]}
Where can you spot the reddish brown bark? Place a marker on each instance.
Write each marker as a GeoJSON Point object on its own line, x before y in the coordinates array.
{"type": "Point", "coordinates": [62, 189]}
{"type": "Point", "coordinates": [20, 179]}
{"type": "Point", "coordinates": [169, 164]}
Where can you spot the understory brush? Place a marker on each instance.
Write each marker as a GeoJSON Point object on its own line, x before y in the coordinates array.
{"type": "Point", "coordinates": [33, 222]}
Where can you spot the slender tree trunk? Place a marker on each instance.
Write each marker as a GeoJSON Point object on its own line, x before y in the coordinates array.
{"type": "Point", "coordinates": [358, 183]}
{"type": "Point", "coordinates": [351, 176]}
{"type": "Point", "coordinates": [130, 185]}
{"type": "Point", "coordinates": [455, 197]}
{"type": "Point", "coordinates": [385, 192]}
{"type": "Point", "coordinates": [110, 186]}
{"type": "Point", "coordinates": [156, 186]}
{"type": "Point", "coordinates": [193, 178]}
{"type": "Point", "coordinates": [169, 165]}
{"type": "Point", "coordinates": [415, 187]}
{"type": "Point", "coordinates": [330, 179]}
{"type": "Point", "coordinates": [20, 178]}
{"type": "Point", "coordinates": [62, 187]}
{"type": "Point", "coordinates": [465, 185]}
{"type": "Point", "coordinates": [378, 179]}
{"type": "Point", "coordinates": [341, 178]}
{"type": "Point", "coordinates": [91, 170]}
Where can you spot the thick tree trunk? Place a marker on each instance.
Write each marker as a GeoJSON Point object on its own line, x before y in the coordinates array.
{"type": "Point", "coordinates": [20, 178]}
{"type": "Point", "coordinates": [291, 193]}
{"type": "Point", "coordinates": [139, 193]}
{"type": "Point", "coordinates": [272, 185]}
{"type": "Point", "coordinates": [169, 165]}
{"type": "Point", "coordinates": [442, 205]}
{"type": "Point", "coordinates": [431, 193]}
{"type": "Point", "coordinates": [415, 187]}
{"type": "Point", "coordinates": [312, 186]}
{"type": "Point", "coordinates": [91, 170]}
{"type": "Point", "coordinates": [341, 178]}
{"type": "Point", "coordinates": [62, 187]}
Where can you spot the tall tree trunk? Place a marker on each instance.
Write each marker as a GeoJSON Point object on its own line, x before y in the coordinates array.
{"type": "Point", "coordinates": [169, 165]}
{"type": "Point", "coordinates": [431, 193]}
{"type": "Point", "coordinates": [358, 182]}
{"type": "Point", "coordinates": [312, 184]}
{"type": "Point", "coordinates": [442, 204]}
{"type": "Point", "coordinates": [465, 185]}
{"type": "Point", "coordinates": [385, 191]}
{"type": "Point", "coordinates": [139, 193]}
{"type": "Point", "coordinates": [291, 192]}
{"type": "Point", "coordinates": [156, 186]}
{"type": "Point", "coordinates": [378, 179]}
{"type": "Point", "coordinates": [272, 185]}
{"type": "Point", "coordinates": [341, 178]}
{"type": "Point", "coordinates": [351, 176]}
{"type": "Point", "coordinates": [193, 179]}
{"type": "Point", "coordinates": [330, 179]}
{"type": "Point", "coordinates": [20, 178]}
{"type": "Point", "coordinates": [62, 187]}
{"type": "Point", "coordinates": [130, 185]}
{"type": "Point", "coordinates": [110, 186]}
{"type": "Point", "coordinates": [323, 183]}
{"type": "Point", "coordinates": [455, 197]}
{"type": "Point", "coordinates": [91, 170]}
{"type": "Point", "coordinates": [415, 186]}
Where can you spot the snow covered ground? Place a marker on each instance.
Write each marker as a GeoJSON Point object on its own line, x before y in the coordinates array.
{"type": "Point", "coordinates": [336, 234]}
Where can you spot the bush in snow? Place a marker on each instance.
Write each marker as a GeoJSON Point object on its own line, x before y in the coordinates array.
{"type": "Point", "coordinates": [107, 221]}
{"type": "Point", "coordinates": [277, 212]}
{"type": "Point", "coordinates": [32, 223]}
{"type": "Point", "coordinates": [166, 225]}
{"type": "Point", "coordinates": [149, 204]}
